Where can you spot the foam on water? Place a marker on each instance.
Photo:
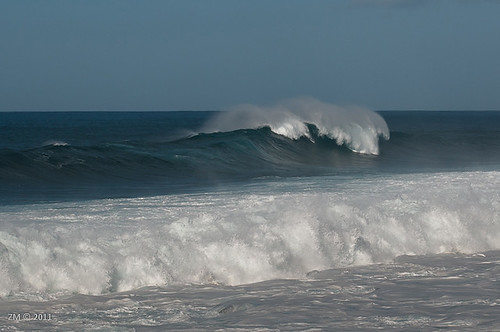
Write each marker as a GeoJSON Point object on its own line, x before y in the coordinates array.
{"type": "Point", "coordinates": [243, 235]}
{"type": "Point", "coordinates": [445, 291]}
{"type": "Point", "coordinates": [54, 143]}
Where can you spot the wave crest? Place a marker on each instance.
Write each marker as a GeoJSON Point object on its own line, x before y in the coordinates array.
{"type": "Point", "coordinates": [357, 128]}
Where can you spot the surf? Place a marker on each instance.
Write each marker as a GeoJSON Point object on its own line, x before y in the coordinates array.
{"type": "Point", "coordinates": [238, 235]}
{"type": "Point", "coordinates": [357, 128]}
{"type": "Point", "coordinates": [294, 138]}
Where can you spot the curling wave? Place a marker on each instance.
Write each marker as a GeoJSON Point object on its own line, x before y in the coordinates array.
{"type": "Point", "coordinates": [357, 128]}
{"type": "Point", "coordinates": [298, 137]}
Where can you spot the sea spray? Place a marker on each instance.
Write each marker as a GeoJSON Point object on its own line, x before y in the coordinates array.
{"type": "Point", "coordinates": [244, 235]}
{"type": "Point", "coordinates": [357, 128]}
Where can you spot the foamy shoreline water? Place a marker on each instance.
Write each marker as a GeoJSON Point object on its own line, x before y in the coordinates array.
{"type": "Point", "coordinates": [445, 291]}
{"type": "Point", "coordinates": [243, 235]}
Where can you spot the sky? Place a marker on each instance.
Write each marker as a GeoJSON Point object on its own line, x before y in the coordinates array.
{"type": "Point", "coordinates": [212, 54]}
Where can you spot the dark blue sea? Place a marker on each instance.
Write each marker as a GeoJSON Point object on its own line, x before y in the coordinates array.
{"type": "Point", "coordinates": [301, 216]}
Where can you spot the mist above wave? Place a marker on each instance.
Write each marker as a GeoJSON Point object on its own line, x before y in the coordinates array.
{"type": "Point", "coordinates": [357, 128]}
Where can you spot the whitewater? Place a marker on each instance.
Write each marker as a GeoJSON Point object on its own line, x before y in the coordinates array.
{"type": "Point", "coordinates": [357, 128]}
{"type": "Point", "coordinates": [295, 216]}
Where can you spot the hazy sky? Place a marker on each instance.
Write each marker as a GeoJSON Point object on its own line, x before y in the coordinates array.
{"type": "Point", "coordinates": [211, 54]}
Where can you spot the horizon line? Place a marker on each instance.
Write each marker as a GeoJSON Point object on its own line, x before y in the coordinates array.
{"type": "Point", "coordinates": [221, 110]}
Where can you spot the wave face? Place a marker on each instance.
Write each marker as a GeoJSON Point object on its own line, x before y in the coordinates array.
{"type": "Point", "coordinates": [357, 128]}
{"type": "Point", "coordinates": [102, 153]}
{"type": "Point", "coordinates": [105, 154]}
{"type": "Point", "coordinates": [239, 154]}
{"type": "Point", "coordinates": [280, 229]}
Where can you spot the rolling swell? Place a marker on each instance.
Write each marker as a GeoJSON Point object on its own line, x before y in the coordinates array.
{"type": "Point", "coordinates": [441, 141]}
{"type": "Point", "coordinates": [109, 153]}
{"type": "Point", "coordinates": [106, 154]}
{"type": "Point", "coordinates": [239, 154]}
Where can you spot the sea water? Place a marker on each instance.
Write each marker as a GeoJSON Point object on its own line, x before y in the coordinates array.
{"type": "Point", "coordinates": [300, 216]}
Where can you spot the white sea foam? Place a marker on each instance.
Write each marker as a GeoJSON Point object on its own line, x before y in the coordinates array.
{"type": "Point", "coordinates": [358, 128]}
{"type": "Point", "coordinates": [55, 143]}
{"type": "Point", "coordinates": [244, 235]}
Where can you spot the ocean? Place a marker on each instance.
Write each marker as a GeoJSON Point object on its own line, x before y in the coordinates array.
{"type": "Point", "coordinates": [303, 216]}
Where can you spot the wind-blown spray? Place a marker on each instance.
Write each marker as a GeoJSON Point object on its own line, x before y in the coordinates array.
{"type": "Point", "coordinates": [357, 128]}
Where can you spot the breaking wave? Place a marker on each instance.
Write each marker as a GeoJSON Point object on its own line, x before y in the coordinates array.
{"type": "Point", "coordinates": [357, 128]}
{"type": "Point", "coordinates": [236, 237]}
{"type": "Point", "coordinates": [295, 138]}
